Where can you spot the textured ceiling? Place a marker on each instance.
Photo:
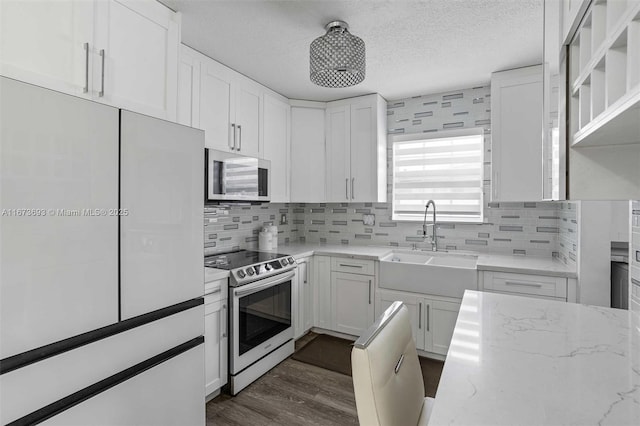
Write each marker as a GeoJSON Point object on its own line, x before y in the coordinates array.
{"type": "Point", "coordinates": [413, 47]}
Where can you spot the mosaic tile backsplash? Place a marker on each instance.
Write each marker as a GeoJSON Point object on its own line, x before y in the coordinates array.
{"type": "Point", "coordinates": [537, 229]}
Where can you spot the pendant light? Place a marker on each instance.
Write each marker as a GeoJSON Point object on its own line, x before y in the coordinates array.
{"type": "Point", "coordinates": [337, 59]}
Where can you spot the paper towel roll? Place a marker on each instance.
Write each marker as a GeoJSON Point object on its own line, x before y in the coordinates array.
{"type": "Point", "coordinates": [274, 235]}
{"type": "Point", "coordinates": [265, 240]}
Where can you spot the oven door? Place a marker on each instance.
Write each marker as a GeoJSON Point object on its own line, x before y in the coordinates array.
{"type": "Point", "coordinates": [261, 319]}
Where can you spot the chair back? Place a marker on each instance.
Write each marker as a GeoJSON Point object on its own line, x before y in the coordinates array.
{"type": "Point", "coordinates": [387, 377]}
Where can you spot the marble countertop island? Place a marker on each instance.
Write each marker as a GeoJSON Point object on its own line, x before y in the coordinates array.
{"type": "Point", "coordinates": [517, 360]}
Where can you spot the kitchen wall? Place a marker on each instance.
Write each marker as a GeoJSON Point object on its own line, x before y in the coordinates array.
{"type": "Point", "coordinates": [568, 233]}
{"type": "Point", "coordinates": [508, 228]}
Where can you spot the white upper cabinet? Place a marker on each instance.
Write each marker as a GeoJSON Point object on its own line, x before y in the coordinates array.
{"type": "Point", "coordinates": [137, 61]}
{"type": "Point", "coordinates": [516, 134]}
{"type": "Point", "coordinates": [49, 44]}
{"type": "Point", "coordinates": [276, 145]}
{"type": "Point", "coordinates": [119, 52]}
{"type": "Point", "coordinates": [307, 152]}
{"type": "Point", "coordinates": [188, 104]}
{"type": "Point", "coordinates": [225, 104]}
{"type": "Point", "coordinates": [356, 143]}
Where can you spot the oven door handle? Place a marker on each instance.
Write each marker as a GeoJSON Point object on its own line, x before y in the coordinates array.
{"type": "Point", "coordinates": [254, 288]}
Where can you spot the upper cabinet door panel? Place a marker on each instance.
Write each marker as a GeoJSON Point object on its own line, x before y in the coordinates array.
{"type": "Point", "coordinates": [363, 152]}
{"type": "Point", "coordinates": [139, 70]}
{"type": "Point", "coordinates": [338, 154]}
{"type": "Point", "coordinates": [247, 107]}
{"type": "Point", "coordinates": [188, 104]}
{"type": "Point", "coordinates": [276, 146]}
{"type": "Point", "coordinates": [516, 119]}
{"type": "Point", "coordinates": [215, 112]}
{"type": "Point", "coordinates": [307, 155]}
{"type": "Point", "coordinates": [59, 269]}
{"type": "Point", "coordinates": [43, 43]}
{"type": "Point", "coordinates": [162, 185]}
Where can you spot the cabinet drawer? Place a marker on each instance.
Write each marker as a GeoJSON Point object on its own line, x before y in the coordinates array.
{"type": "Point", "coordinates": [536, 285]}
{"type": "Point", "coordinates": [352, 266]}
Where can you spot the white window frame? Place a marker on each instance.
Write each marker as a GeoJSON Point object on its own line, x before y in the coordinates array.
{"type": "Point", "coordinates": [441, 215]}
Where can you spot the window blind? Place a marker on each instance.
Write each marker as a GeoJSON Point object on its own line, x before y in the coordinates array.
{"type": "Point", "coordinates": [445, 169]}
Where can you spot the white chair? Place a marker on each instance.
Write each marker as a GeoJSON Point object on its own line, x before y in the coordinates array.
{"type": "Point", "coordinates": [387, 378]}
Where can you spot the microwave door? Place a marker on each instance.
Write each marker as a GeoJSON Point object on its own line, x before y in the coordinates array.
{"type": "Point", "coordinates": [241, 178]}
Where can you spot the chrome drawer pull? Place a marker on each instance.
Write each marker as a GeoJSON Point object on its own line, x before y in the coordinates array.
{"type": "Point", "coordinates": [523, 284]}
{"type": "Point", "coordinates": [351, 266]}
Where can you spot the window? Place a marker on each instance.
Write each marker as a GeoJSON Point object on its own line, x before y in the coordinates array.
{"type": "Point", "coordinates": [444, 167]}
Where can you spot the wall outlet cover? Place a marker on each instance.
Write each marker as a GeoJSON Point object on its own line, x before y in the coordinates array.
{"type": "Point", "coordinates": [369, 219]}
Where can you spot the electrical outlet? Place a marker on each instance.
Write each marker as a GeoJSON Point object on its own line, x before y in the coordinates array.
{"type": "Point", "coordinates": [369, 219]}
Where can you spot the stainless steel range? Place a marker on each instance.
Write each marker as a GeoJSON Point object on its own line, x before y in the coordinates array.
{"type": "Point", "coordinates": [260, 319]}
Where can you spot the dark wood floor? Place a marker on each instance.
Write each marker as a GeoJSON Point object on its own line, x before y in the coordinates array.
{"type": "Point", "coordinates": [293, 393]}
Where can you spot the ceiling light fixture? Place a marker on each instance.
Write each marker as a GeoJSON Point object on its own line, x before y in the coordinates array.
{"type": "Point", "coordinates": [337, 59]}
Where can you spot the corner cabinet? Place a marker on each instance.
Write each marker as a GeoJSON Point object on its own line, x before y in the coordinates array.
{"type": "Point", "coordinates": [516, 134]}
{"type": "Point", "coordinates": [356, 150]}
{"type": "Point", "coordinates": [433, 319]}
{"type": "Point", "coordinates": [307, 152]}
{"type": "Point", "coordinates": [92, 49]}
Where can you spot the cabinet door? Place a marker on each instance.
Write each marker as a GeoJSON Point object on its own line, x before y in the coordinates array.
{"type": "Point", "coordinates": [307, 294]}
{"type": "Point", "coordinates": [43, 43]}
{"type": "Point", "coordinates": [276, 146]}
{"type": "Point", "coordinates": [516, 140]}
{"type": "Point", "coordinates": [247, 105]}
{"type": "Point", "coordinates": [440, 320]}
{"type": "Point", "coordinates": [414, 305]}
{"type": "Point", "coordinates": [307, 155]}
{"type": "Point", "coordinates": [139, 68]}
{"type": "Point", "coordinates": [322, 288]}
{"type": "Point", "coordinates": [215, 101]}
{"type": "Point", "coordinates": [338, 154]}
{"type": "Point", "coordinates": [188, 104]}
{"type": "Point", "coordinates": [352, 297]}
{"type": "Point", "coordinates": [364, 155]}
{"type": "Point", "coordinates": [215, 345]}
{"type": "Point", "coordinates": [299, 308]}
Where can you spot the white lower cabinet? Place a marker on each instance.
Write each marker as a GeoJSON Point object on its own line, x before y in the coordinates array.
{"type": "Point", "coordinates": [538, 286]}
{"type": "Point", "coordinates": [432, 318]}
{"type": "Point", "coordinates": [322, 291]}
{"type": "Point", "coordinates": [352, 300]}
{"type": "Point", "coordinates": [303, 299]}
{"type": "Point", "coordinates": [216, 339]}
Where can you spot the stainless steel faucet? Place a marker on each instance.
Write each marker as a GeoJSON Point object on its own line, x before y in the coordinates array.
{"type": "Point", "coordinates": [434, 236]}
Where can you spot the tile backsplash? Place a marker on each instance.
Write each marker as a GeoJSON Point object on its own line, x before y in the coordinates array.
{"type": "Point", "coordinates": [539, 229]}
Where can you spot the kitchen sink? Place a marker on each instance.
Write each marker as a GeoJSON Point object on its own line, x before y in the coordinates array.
{"type": "Point", "coordinates": [435, 273]}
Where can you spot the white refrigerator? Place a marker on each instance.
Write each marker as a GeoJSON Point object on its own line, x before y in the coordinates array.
{"type": "Point", "coordinates": [101, 248]}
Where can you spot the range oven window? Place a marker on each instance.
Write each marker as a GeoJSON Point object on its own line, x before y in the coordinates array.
{"type": "Point", "coordinates": [263, 314]}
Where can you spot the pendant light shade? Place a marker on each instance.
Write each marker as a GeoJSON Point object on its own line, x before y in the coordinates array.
{"type": "Point", "coordinates": [337, 59]}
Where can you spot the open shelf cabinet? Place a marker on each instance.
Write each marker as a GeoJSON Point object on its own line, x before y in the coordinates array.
{"type": "Point", "coordinates": [605, 75]}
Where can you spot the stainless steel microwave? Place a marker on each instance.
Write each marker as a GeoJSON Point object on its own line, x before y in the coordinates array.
{"type": "Point", "coordinates": [234, 177]}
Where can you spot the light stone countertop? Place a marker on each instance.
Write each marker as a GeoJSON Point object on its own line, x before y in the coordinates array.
{"type": "Point", "coordinates": [486, 261]}
{"type": "Point", "coordinates": [518, 360]}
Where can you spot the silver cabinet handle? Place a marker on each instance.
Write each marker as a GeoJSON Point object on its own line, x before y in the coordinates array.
{"type": "Point", "coordinates": [101, 92]}
{"type": "Point", "coordinates": [536, 285]}
{"type": "Point", "coordinates": [86, 68]}
{"type": "Point", "coordinates": [346, 188]}
{"type": "Point", "coordinates": [428, 320]}
{"type": "Point", "coordinates": [369, 291]}
{"type": "Point", "coordinates": [223, 321]}
{"type": "Point", "coordinates": [217, 290]}
{"type": "Point", "coordinates": [420, 315]}
{"type": "Point", "coordinates": [239, 137]}
{"type": "Point", "coordinates": [350, 266]}
{"type": "Point", "coordinates": [352, 192]}
{"type": "Point", "coordinates": [233, 146]}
